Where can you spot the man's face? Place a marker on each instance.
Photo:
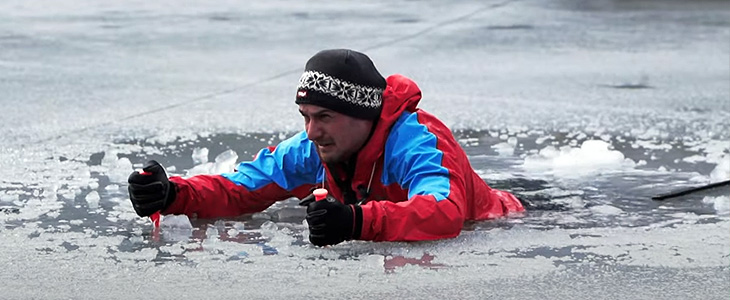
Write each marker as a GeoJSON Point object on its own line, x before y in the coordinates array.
{"type": "Point", "coordinates": [336, 136]}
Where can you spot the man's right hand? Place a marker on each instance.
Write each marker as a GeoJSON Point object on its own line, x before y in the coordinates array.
{"type": "Point", "coordinates": [150, 191]}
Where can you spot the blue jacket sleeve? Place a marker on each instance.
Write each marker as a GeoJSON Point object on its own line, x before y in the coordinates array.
{"type": "Point", "coordinates": [288, 170]}
{"type": "Point", "coordinates": [294, 162]}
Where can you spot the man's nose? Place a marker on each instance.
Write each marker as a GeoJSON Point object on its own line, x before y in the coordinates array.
{"type": "Point", "coordinates": [313, 130]}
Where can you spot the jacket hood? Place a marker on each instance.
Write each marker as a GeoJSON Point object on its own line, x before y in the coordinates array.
{"type": "Point", "coordinates": [401, 94]}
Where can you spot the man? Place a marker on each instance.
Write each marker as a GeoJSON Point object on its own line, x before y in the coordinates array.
{"type": "Point", "coordinates": [394, 172]}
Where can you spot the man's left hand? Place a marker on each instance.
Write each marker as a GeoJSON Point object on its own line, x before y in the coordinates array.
{"type": "Point", "coordinates": [330, 221]}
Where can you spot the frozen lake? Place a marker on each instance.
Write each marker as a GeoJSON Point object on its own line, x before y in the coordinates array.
{"type": "Point", "coordinates": [583, 110]}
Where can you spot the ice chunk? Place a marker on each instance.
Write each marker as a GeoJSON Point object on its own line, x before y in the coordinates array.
{"type": "Point", "coordinates": [542, 139]}
{"type": "Point", "coordinates": [240, 226]}
{"type": "Point", "coordinates": [200, 156]}
{"type": "Point", "coordinates": [94, 184]}
{"type": "Point", "coordinates": [199, 169]}
{"type": "Point", "coordinates": [50, 192]}
{"type": "Point", "coordinates": [225, 162]}
{"type": "Point", "coordinates": [606, 210]}
{"type": "Point", "coordinates": [110, 158]}
{"type": "Point", "coordinates": [92, 199]}
{"type": "Point", "coordinates": [722, 170]}
{"type": "Point", "coordinates": [694, 159]}
{"type": "Point", "coordinates": [211, 234]}
{"type": "Point", "coordinates": [175, 249]}
{"type": "Point", "coordinates": [5, 196]}
{"type": "Point", "coordinates": [69, 194]}
{"type": "Point", "coordinates": [592, 156]}
{"type": "Point", "coordinates": [176, 227]}
{"type": "Point", "coordinates": [574, 202]}
{"type": "Point", "coordinates": [305, 232]}
{"type": "Point", "coordinates": [721, 204]}
{"type": "Point", "coordinates": [176, 222]}
{"type": "Point", "coordinates": [468, 142]}
{"type": "Point", "coordinates": [118, 169]}
{"type": "Point", "coordinates": [269, 229]}
{"type": "Point", "coordinates": [504, 149]}
{"type": "Point", "coordinates": [120, 172]}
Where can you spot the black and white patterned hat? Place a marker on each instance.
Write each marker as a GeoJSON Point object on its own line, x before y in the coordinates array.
{"type": "Point", "coordinates": [342, 80]}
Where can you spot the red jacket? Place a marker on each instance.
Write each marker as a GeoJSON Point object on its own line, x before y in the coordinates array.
{"type": "Point", "coordinates": [422, 186]}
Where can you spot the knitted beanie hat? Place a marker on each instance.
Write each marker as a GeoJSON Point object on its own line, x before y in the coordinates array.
{"type": "Point", "coordinates": [342, 80]}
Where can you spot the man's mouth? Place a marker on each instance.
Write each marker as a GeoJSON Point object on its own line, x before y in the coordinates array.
{"type": "Point", "coordinates": [325, 146]}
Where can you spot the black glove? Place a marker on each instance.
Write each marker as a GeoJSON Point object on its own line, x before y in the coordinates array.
{"type": "Point", "coordinates": [331, 222]}
{"type": "Point", "coordinates": [152, 191]}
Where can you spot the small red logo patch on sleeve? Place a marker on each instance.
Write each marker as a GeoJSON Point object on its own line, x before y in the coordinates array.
{"type": "Point", "coordinates": [302, 93]}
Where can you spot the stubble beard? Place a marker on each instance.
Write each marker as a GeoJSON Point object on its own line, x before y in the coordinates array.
{"type": "Point", "coordinates": [330, 158]}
